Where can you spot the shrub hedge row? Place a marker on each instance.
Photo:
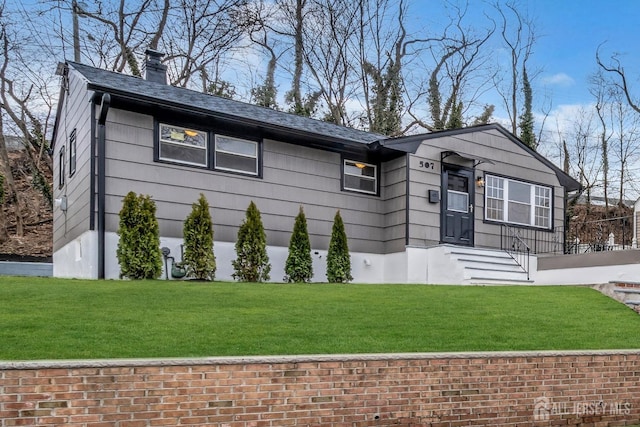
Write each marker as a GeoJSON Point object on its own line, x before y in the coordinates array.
{"type": "Point", "coordinates": [140, 257]}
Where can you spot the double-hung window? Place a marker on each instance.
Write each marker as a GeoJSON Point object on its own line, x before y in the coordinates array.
{"type": "Point", "coordinates": [360, 176]}
{"type": "Point", "coordinates": [183, 145]}
{"type": "Point", "coordinates": [197, 147]}
{"type": "Point", "coordinates": [236, 155]}
{"type": "Point", "coordinates": [517, 202]}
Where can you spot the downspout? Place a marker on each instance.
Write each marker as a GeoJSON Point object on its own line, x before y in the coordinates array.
{"type": "Point", "coordinates": [102, 118]}
{"type": "Point", "coordinates": [407, 198]}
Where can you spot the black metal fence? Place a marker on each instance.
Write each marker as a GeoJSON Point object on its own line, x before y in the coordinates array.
{"type": "Point", "coordinates": [610, 234]}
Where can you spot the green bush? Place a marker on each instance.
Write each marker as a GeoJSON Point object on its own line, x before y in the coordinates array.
{"type": "Point", "coordinates": [338, 258]}
{"type": "Point", "coordinates": [252, 264]}
{"type": "Point", "coordinates": [199, 259]}
{"type": "Point", "coordinates": [138, 250]}
{"type": "Point", "coordinates": [299, 266]}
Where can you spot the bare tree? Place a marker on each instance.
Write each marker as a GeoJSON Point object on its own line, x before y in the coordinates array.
{"type": "Point", "coordinates": [518, 35]}
{"type": "Point", "coordinates": [260, 14]}
{"type": "Point", "coordinates": [382, 55]}
{"type": "Point", "coordinates": [297, 19]}
{"type": "Point", "coordinates": [615, 67]}
{"type": "Point", "coordinates": [120, 29]}
{"type": "Point", "coordinates": [625, 142]}
{"type": "Point", "coordinates": [599, 90]}
{"type": "Point", "coordinates": [458, 76]}
{"type": "Point", "coordinates": [585, 150]}
{"type": "Point", "coordinates": [199, 38]}
{"type": "Point", "coordinates": [26, 103]}
{"type": "Point", "coordinates": [14, 195]}
{"type": "Point", "coordinates": [330, 33]}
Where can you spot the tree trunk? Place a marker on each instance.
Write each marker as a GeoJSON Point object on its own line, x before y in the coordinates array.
{"type": "Point", "coordinates": [13, 194]}
{"type": "Point", "coordinates": [296, 92]}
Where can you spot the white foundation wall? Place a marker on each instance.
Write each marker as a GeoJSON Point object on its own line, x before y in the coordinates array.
{"type": "Point", "coordinates": [418, 265]}
{"type": "Point", "coordinates": [441, 270]}
{"type": "Point", "coordinates": [589, 275]}
{"type": "Point", "coordinates": [79, 259]}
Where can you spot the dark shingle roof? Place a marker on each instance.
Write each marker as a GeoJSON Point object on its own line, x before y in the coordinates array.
{"type": "Point", "coordinates": [121, 84]}
{"type": "Point", "coordinates": [409, 142]}
{"type": "Point", "coordinates": [138, 89]}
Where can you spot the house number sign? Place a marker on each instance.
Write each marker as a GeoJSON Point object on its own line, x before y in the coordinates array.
{"type": "Point", "coordinates": [427, 164]}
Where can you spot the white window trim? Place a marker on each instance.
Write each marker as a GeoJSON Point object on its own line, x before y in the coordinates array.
{"type": "Point", "coordinates": [532, 203]}
{"type": "Point", "coordinates": [181, 144]}
{"type": "Point", "coordinates": [373, 178]}
{"type": "Point", "coordinates": [247, 156]}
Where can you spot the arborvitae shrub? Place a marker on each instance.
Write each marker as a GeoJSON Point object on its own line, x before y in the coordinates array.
{"type": "Point", "coordinates": [338, 258]}
{"type": "Point", "coordinates": [199, 259]}
{"type": "Point", "coordinates": [139, 244]}
{"type": "Point", "coordinates": [299, 266]}
{"type": "Point", "coordinates": [252, 264]}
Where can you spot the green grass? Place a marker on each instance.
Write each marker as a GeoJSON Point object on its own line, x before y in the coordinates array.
{"type": "Point", "coordinates": [71, 319]}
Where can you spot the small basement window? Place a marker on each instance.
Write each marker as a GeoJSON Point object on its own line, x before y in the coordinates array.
{"type": "Point", "coordinates": [183, 145]}
{"type": "Point", "coordinates": [236, 155]}
{"type": "Point", "coordinates": [359, 176]}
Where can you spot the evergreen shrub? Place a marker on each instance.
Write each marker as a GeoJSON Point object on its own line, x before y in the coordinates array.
{"type": "Point", "coordinates": [138, 249]}
{"type": "Point", "coordinates": [252, 262]}
{"type": "Point", "coordinates": [199, 259]}
{"type": "Point", "coordinates": [338, 258]}
{"type": "Point", "coordinates": [299, 265]}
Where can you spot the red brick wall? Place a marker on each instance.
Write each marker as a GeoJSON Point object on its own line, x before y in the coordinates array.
{"type": "Point", "coordinates": [537, 389]}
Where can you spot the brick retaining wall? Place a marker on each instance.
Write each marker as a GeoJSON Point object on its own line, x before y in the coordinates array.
{"type": "Point", "coordinates": [525, 389]}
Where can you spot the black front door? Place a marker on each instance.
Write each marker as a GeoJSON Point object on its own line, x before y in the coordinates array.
{"type": "Point", "coordinates": [457, 206]}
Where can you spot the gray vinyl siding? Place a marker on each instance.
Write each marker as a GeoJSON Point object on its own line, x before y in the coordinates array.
{"type": "Point", "coordinates": [508, 159]}
{"type": "Point", "coordinates": [293, 176]}
{"type": "Point", "coordinates": [393, 191]}
{"type": "Point", "coordinates": [75, 113]}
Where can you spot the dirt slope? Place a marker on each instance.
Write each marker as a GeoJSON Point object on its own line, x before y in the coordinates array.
{"type": "Point", "coordinates": [37, 240]}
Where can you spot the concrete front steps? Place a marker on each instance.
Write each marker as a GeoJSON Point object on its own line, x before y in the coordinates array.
{"type": "Point", "coordinates": [487, 266]}
{"type": "Point", "coordinates": [627, 293]}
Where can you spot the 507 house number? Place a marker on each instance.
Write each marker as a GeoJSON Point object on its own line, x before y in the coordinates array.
{"type": "Point", "coordinates": [427, 165]}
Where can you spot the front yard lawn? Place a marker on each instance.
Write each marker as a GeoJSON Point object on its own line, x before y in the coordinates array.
{"type": "Point", "coordinates": [71, 319]}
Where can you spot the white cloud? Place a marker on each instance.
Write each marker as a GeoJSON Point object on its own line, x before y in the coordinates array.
{"type": "Point", "coordinates": [558, 79]}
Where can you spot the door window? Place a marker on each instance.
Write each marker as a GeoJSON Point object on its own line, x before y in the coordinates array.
{"type": "Point", "coordinates": [457, 195]}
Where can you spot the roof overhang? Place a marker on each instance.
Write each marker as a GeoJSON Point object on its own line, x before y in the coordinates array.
{"type": "Point", "coordinates": [374, 151]}
{"type": "Point", "coordinates": [477, 160]}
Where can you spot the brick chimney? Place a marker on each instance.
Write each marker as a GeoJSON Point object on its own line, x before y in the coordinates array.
{"type": "Point", "coordinates": [155, 71]}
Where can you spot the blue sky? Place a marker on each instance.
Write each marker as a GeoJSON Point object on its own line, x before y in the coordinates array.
{"type": "Point", "coordinates": [568, 34]}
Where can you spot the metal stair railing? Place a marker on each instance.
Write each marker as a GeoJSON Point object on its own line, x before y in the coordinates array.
{"type": "Point", "coordinates": [512, 243]}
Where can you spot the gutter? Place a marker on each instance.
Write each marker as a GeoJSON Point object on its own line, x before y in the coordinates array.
{"type": "Point", "coordinates": [102, 118]}
{"type": "Point", "coordinates": [279, 128]}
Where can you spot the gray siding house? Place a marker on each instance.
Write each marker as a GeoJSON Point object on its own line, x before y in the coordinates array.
{"type": "Point", "coordinates": [427, 208]}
